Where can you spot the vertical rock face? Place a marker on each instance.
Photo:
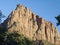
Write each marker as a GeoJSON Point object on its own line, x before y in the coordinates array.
{"type": "Point", "coordinates": [23, 21]}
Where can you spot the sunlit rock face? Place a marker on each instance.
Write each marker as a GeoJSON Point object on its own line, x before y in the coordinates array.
{"type": "Point", "coordinates": [23, 21]}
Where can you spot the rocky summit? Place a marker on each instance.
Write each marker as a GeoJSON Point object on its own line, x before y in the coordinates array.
{"type": "Point", "coordinates": [23, 21]}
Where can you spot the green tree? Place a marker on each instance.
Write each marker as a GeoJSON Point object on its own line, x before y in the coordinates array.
{"type": "Point", "coordinates": [58, 20]}
{"type": "Point", "coordinates": [1, 16]}
{"type": "Point", "coordinates": [17, 39]}
{"type": "Point", "coordinates": [14, 39]}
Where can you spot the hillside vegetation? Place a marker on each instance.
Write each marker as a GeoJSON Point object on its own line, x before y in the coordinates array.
{"type": "Point", "coordinates": [17, 39]}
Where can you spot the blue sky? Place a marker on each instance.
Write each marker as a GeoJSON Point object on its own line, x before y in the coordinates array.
{"type": "Point", "coordinates": [46, 9]}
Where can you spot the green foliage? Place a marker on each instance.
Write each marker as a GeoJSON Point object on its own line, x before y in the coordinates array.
{"type": "Point", "coordinates": [17, 39]}
{"type": "Point", "coordinates": [2, 30]}
{"type": "Point", "coordinates": [13, 39]}
{"type": "Point", "coordinates": [1, 16]}
{"type": "Point", "coordinates": [58, 20]}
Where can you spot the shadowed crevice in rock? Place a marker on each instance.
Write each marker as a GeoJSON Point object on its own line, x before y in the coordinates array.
{"type": "Point", "coordinates": [14, 24]}
{"type": "Point", "coordinates": [46, 32]}
{"type": "Point", "coordinates": [39, 22]}
{"type": "Point", "coordinates": [33, 20]}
